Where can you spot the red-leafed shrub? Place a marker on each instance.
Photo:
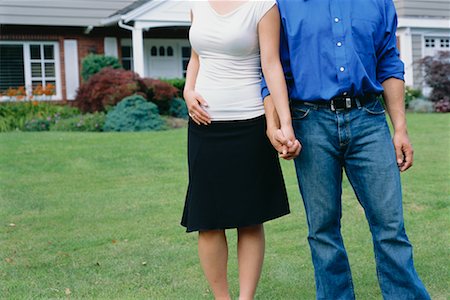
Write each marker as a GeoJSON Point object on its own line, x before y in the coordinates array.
{"type": "Point", "coordinates": [161, 93]}
{"type": "Point", "coordinates": [107, 88]}
{"type": "Point", "coordinates": [437, 75]}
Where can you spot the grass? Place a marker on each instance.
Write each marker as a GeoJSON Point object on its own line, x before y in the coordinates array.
{"type": "Point", "coordinates": [96, 216]}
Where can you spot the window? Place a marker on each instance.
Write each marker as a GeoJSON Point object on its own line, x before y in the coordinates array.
{"type": "Point", "coordinates": [435, 44]}
{"type": "Point", "coordinates": [162, 51]}
{"type": "Point", "coordinates": [185, 56]}
{"type": "Point", "coordinates": [127, 57]}
{"type": "Point", "coordinates": [43, 65]}
{"type": "Point", "coordinates": [169, 51]}
{"type": "Point", "coordinates": [29, 65]}
{"type": "Point", "coordinates": [429, 43]}
{"type": "Point", "coordinates": [12, 73]}
{"type": "Point", "coordinates": [154, 51]}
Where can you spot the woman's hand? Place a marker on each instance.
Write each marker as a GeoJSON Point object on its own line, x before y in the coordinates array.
{"type": "Point", "coordinates": [195, 104]}
{"type": "Point", "coordinates": [287, 137]}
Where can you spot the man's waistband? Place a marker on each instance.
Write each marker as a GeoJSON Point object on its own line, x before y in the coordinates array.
{"type": "Point", "coordinates": [340, 103]}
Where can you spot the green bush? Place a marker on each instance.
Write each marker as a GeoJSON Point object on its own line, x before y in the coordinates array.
{"type": "Point", "coordinates": [134, 113]}
{"type": "Point", "coordinates": [94, 63]}
{"type": "Point", "coordinates": [411, 94]}
{"type": "Point", "coordinates": [37, 124]}
{"type": "Point", "coordinates": [87, 122]}
{"type": "Point", "coordinates": [178, 108]}
{"type": "Point", "coordinates": [177, 83]}
{"type": "Point", "coordinates": [15, 115]}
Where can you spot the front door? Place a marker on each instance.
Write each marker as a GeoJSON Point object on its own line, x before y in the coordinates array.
{"type": "Point", "coordinates": [164, 60]}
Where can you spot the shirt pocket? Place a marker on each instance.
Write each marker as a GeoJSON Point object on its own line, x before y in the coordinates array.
{"type": "Point", "coordinates": [364, 35]}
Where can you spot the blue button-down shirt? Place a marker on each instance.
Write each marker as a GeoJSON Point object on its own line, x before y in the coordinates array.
{"type": "Point", "coordinates": [332, 48]}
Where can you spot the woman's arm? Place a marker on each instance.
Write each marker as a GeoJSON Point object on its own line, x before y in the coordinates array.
{"type": "Point", "coordinates": [194, 100]}
{"type": "Point", "coordinates": [269, 40]}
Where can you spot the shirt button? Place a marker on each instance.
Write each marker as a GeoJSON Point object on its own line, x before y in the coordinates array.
{"type": "Point", "coordinates": [336, 20]}
{"type": "Point", "coordinates": [339, 44]}
{"type": "Point", "coordinates": [342, 69]}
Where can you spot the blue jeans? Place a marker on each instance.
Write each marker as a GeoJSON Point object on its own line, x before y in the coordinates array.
{"type": "Point", "coordinates": [357, 141]}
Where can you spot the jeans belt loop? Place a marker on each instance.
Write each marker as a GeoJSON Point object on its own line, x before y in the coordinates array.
{"type": "Point", "coordinates": [348, 102]}
{"type": "Point", "coordinates": [332, 107]}
{"type": "Point", "coordinates": [358, 103]}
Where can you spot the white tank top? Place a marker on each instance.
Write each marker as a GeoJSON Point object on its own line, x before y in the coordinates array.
{"type": "Point", "coordinates": [230, 66]}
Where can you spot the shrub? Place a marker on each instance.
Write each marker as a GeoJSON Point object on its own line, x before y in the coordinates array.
{"type": "Point", "coordinates": [178, 83]}
{"type": "Point", "coordinates": [94, 63]}
{"type": "Point", "coordinates": [421, 106]}
{"type": "Point", "coordinates": [411, 94]}
{"type": "Point", "coordinates": [442, 105]}
{"type": "Point", "coordinates": [37, 124]}
{"type": "Point", "coordinates": [161, 93]}
{"type": "Point", "coordinates": [15, 115]}
{"type": "Point", "coordinates": [107, 88]}
{"type": "Point", "coordinates": [437, 70]}
{"type": "Point", "coordinates": [178, 108]}
{"type": "Point", "coordinates": [87, 122]}
{"type": "Point", "coordinates": [133, 113]}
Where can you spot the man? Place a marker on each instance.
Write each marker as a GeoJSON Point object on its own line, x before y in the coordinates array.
{"type": "Point", "coordinates": [338, 56]}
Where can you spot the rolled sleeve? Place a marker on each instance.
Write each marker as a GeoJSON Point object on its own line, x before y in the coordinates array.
{"type": "Point", "coordinates": [389, 64]}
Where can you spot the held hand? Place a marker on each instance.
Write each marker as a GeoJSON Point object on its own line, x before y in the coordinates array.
{"type": "Point", "coordinates": [287, 149]}
{"type": "Point", "coordinates": [194, 102]}
{"type": "Point", "coordinates": [403, 151]}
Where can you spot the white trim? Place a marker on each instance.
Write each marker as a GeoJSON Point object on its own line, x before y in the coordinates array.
{"type": "Point", "coordinates": [138, 51]}
{"type": "Point", "coordinates": [406, 54]}
{"type": "Point", "coordinates": [130, 16]}
{"type": "Point", "coordinates": [71, 68]}
{"type": "Point", "coordinates": [423, 23]}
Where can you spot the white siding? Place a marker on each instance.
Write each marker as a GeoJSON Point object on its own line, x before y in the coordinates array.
{"type": "Point", "coordinates": [423, 8]}
{"type": "Point", "coordinates": [59, 12]}
{"type": "Point", "coordinates": [417, 55]}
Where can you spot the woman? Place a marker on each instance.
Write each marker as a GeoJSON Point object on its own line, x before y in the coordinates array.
{"type": "Point", "coordinates": [235, 179]}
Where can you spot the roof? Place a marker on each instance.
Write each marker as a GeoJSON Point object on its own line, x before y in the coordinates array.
{"type": "Point", "coordinates": [62, 12]}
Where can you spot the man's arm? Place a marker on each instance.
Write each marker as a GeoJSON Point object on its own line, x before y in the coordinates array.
{"type": "Point", "coordinates": [394, 97]}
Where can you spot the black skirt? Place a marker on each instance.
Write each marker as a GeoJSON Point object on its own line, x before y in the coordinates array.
{"type": "Point", "coordinates": [235, 178]}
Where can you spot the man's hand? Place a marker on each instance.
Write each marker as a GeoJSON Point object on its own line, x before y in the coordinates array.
{"type": "Point", "coordinates": [403, 150]}
{"type": "Point", "coordinates": [286, 149]}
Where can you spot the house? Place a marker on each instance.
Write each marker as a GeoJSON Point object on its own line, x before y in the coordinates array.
{"type": "Point", "coordinates": [44, 41]}
{"type": "Point", "coordinates": [423, 30]}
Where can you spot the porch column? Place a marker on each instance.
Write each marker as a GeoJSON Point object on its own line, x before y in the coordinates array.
{"type": "Point", "coordinates": [138, 51]}
{"type": "Point", "coordinates": [406, 54]}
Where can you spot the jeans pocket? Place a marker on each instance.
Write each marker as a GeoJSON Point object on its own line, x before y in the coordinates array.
{"type": "Point", "coordinates": [374, 108]}
{"type": "Point", "coordinates": [299, 113]}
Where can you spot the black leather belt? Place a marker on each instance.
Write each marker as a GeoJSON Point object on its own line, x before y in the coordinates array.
{"type": "Point", "coordinates": [341, 103]}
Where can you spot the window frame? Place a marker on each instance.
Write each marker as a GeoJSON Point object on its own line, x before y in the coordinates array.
{"type": "Point", "coordinates": [27, 66]}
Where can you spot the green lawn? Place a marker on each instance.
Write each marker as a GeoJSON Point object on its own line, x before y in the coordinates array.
{"type": "Point", "coordinates": [96, 216]}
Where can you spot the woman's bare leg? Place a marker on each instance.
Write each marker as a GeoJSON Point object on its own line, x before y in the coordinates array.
{"type": "Point", "coordinates": [213, 253]}
{"type": "Point", "coordinates": [251, 246]}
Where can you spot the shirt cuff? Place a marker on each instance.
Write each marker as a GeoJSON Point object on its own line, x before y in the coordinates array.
{"type": "Point", "coordinates": [264, 93]}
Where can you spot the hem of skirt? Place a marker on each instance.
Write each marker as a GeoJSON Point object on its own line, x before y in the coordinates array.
{"type": "Point", "coordinates": [194, 229]}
